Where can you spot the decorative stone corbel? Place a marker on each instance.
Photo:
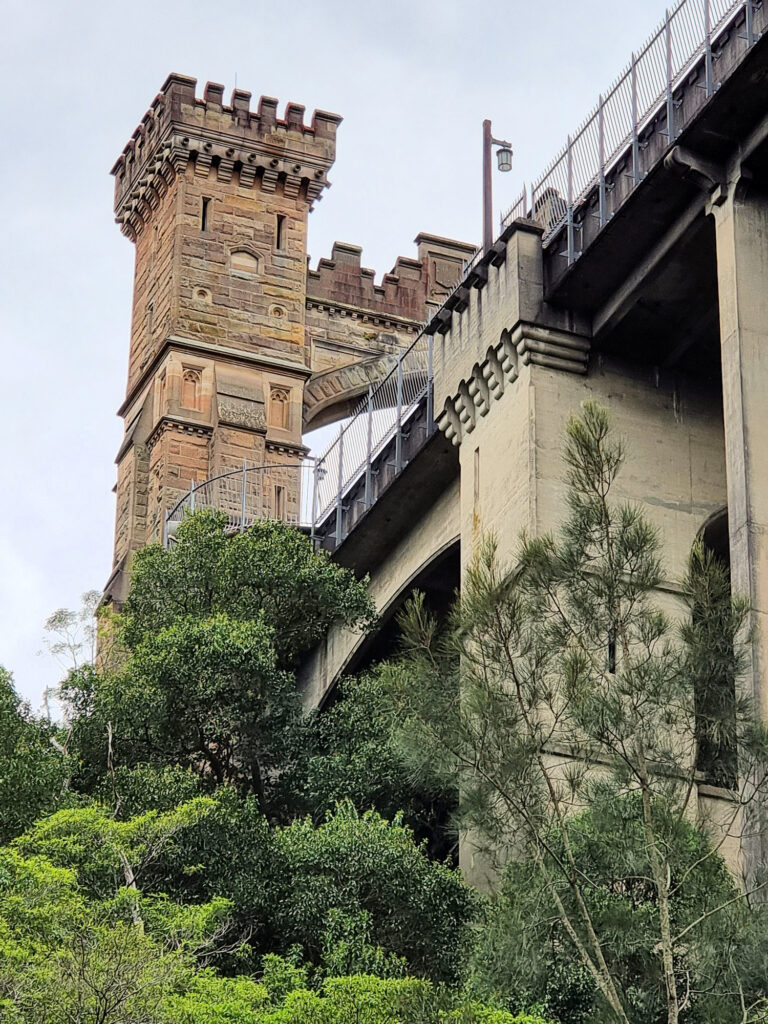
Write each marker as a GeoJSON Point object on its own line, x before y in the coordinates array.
{"type": "Point", "coordinates": [527, 343]}
{"type": "Point", "coordinates": [448, 422]}
{"type": "Point", "coordinates": [477, 388]}
{"type": "Point", "coordinates": [545, 346]}
{"type": "Point", "coordinates": [465, 407]}
{"type": "Point", "coordinates": [493, 373]}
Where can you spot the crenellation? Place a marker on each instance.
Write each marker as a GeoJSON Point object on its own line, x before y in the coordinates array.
{"type": "Point", "coordinates": [179, 128]}
{"type": "Point", "coordinates": [342, 279]}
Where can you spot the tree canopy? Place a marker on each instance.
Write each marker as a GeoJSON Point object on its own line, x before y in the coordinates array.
{"type": "Point", "coordinates": [194, 846]}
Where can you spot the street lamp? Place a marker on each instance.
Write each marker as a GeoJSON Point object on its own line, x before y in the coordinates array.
{"type": "Point", "coordinates": [504, 156]}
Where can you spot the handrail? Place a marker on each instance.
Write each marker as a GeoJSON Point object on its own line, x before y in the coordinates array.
{"type": "Point", "coordinates": [285, 491]}
{"type": "Point", "coordinates": [378, 419]}
{"type": "Point", "coordinates": [687, 36]}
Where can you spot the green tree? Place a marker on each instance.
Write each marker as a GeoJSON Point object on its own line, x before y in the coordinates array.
{"type": "Point", "coordinates": [354, 894]}
{"type": "Point", "coordinates": [357, 758]}
{"type": "Point", "coordinates": [67, 959]}
{"type": "Point", "coordinates": [34, 766]}
{"type": "Point", "coordinates": [561, 685]}
{"type": "Point", "coordinates": [357, 999]}
{"type": "Point", "coordinates": [211, 632]}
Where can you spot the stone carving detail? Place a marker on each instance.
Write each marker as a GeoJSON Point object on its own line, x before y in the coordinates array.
{"type": "Point", "coordinates": [190, 388]}
{"type": "Point", "coordinates": [527, 343]}
{"type": "Point", "coordinates": [279, 407]}
{"type": "Point", "coordinates": [241, 412]}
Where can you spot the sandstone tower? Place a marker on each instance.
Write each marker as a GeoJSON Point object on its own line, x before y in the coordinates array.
{"type": "Point", "coordinates": [235, 345]}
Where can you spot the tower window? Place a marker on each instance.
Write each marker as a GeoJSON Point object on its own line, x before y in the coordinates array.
{"type": "Point", "coordinates": [243, 264]}
{"type": "Point", "coordinates": [190, 388]}
{"type": "Point", "coordinates": [279, 404]}
{"type": "Point", "coordinates": [204, 214]}
{"type": "Point", "coordinates": [279, 502]}
{"type": "Point", "coordinates": [280, 231]}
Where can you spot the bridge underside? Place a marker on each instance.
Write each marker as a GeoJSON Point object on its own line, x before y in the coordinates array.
{"type": "Point", "coordinates": [408, 540]}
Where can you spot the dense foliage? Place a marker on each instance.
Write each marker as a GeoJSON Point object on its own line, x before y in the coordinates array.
{"type": "Point", "coordinates": [192, 847]}
{"type": "Point", "coordinates": [34, 771]}
{"type": "Point", "coordinates": [211, 631]}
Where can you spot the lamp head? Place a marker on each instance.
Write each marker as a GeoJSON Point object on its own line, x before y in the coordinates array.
{"type": "Point", "coordinates": [504, 157]}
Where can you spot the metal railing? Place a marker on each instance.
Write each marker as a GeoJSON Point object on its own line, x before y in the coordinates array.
{"type": "Point", "coordinates": [613, 130]}
{"type": "Point", "coordinates": [381, 417]}
{"type": "Point", "coordinates": [287, 492]}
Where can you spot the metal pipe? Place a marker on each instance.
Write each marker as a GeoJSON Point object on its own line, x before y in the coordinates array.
{"type": "Point", "coordinates": [313, 515]}
{"type": "Point", "coordinates": [571, 245]}
{"type": "Point", "coordinates": [635, 137]}
{"type": "Point", "coordinates": [601, 158]}
{"type": "Point", "coordinates": [748, 22]}
{"type": "Point", "coordinates": [242, 499]}
{"type": "Point", "coordinates": [708, 79]}
{"type": "Point", "coordinates": [487, 187]}
{"type": "Point", "coordinates": [191, 496]}
{"type": "Point", "coordinates": [430, 386]}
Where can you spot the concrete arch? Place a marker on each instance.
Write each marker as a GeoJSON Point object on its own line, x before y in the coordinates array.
{"type": "Point", "coordinates": [714, 534]}
{"type": "Point", "coordinates": [433, 540]}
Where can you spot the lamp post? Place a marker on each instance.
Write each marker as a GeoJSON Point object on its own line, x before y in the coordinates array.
{"type": "Point", "coordinates": [504, 156]}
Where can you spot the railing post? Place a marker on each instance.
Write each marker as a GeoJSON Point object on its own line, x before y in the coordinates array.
{"type": "Point", "coordinates": [748, 21]}
{"type": "Point", "coordinates": [368, 451]}
{"type": "Point", "coordinates": [670, 102]}
{"type": "Point", "coordinates": [601, 145]}
{"type": "Point", "coordinates": [399, 419]}
{"type": "Point", "coordinates": [242, 499]}
{"type": "Point", "coordinates": [191, 496]}
{"type": "Point", "coordinates": [313, 511]}
{"type": "Point", "coordinates": [340, 488]}
{"type": "Point", "coordinates": [635, 136]}
{"type": "Point", "coordinates": [571, 244]}
{"type": "Point", "coordinates": [431, 384]}
{"type": "Point", "coordinates": [708, 80]}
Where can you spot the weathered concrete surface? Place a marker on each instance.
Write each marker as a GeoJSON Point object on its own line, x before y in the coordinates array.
{"type": "Point", "coordinates": [742, 268]}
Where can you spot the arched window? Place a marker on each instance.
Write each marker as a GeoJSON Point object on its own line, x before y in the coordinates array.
{"type": "Point", "coordinates": [243, 264]}
{"type": "Point", "coordinates": [190, 388]}
{"type": "Point", "coordinates": [279, 406]}
{"type": "Point", "coordinates": [715, 677]}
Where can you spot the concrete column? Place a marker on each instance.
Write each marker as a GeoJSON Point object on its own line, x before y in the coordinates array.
{"type": "Point", "coordinates": [741, 218]}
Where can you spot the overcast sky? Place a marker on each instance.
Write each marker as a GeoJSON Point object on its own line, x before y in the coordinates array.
{"type": "Point", "coordinates": [413, 80]}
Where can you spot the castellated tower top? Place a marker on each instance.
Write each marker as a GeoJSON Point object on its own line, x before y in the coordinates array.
{"type": "Point", "coordinates": [256, 147]}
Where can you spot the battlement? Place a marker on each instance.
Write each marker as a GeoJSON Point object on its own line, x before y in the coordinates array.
{"type": "Point", "coordinates": [252, 147]}
{"type": "Point", "coordinates": [407, 291]}
{"type": "Point", "coordinates": [342, 280]}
